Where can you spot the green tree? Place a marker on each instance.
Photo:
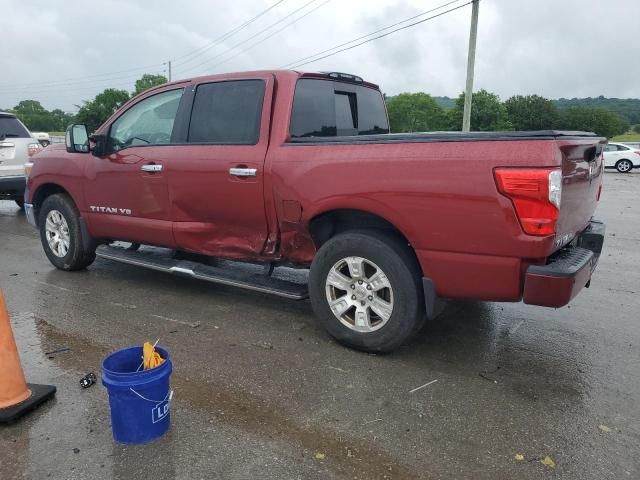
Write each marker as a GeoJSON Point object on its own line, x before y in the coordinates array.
{"type": "Point", "coordinates": [60, 120]}
{"type": "Point", "coordinates": [415, 112]}
{"type": "Point", "coordinates": [636, 128]}
{"type": "Point", "coordinates": [148, 81]}
{"type": "Point", "coordinates": [33, 115]}
{"type": "Point", "coordinates": [93, 113]}
{"type": "Point", "coordinates": [487, 113]}
{"type": "Point", "coordinates": [531, 112]}
{"type": "Point", "coordinates": [589, 119]}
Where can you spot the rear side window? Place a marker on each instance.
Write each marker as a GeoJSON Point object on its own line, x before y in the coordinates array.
{"type": "Point", "coordinates": [10, 127]}
{"type": "Point", "coordinates": [323, 108]}
{"type": "Point", "coordinates": [227, 113]}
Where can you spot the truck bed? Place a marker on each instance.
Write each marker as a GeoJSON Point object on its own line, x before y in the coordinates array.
{"type": "Point", "coordinates": [425, 137]}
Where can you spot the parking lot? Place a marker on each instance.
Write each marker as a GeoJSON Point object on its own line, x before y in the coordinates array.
{"type": "Point", "coordinates": [261, 391]}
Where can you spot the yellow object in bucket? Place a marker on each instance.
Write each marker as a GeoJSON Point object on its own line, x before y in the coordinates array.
{"type": "Point", "coordinates": [150, 358]}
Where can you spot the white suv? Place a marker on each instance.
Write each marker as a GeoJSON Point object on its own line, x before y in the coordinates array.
{"type": "Point", "coordinates": [621, 157]}
{"type": "Point", "coordinates": [16, 147]}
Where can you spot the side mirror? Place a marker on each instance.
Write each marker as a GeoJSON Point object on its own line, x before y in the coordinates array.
{"type": "Point", "coordinates": [76, 139]}
{"type": "Point", "coordinates": [98, 144]}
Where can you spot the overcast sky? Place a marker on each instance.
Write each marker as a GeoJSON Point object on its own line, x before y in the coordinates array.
{"type": "Point", "coordinates": [64, 52]}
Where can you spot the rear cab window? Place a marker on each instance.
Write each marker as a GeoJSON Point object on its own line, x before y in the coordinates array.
{"type": "Point", "coordinates": [11, 127]}
{"type": "Point", "coordinates": [327, 108]}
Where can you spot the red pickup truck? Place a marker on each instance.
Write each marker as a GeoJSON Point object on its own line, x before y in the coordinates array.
{"type": "Point", "coordinates": [225, 177]}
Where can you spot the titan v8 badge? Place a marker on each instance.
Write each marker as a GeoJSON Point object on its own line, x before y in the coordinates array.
{"type": "Point", "coordinates": [112, 210]}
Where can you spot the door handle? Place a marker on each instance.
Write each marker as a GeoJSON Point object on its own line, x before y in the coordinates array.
{"type": "Point", "coordinates": [243, 172]}
{"type": "Point", "coordinates": [153, 167]}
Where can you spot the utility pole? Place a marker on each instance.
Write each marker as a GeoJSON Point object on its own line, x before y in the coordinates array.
{"type": "Point", "coordinates": [471, 60]}
{"type": "Point", "coordinates": [169, 69]}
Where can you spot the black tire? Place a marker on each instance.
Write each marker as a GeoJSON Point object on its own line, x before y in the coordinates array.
{"type": "Point", "coordinates": [19, 202]}
{"type": "Point", "coordinates": [395, 258]}
{"type": "Point", "coordinates": [624, 166]}
{"type": "Point", "coordinates": [78, 256]}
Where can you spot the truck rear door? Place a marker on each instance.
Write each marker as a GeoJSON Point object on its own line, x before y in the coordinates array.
{"type": "Point", "coordinates": [216, 185]}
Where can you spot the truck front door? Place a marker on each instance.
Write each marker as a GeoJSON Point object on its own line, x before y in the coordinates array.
{"type": "Point", "coordinates": [126, 189]}
{"type": "Point", "coordinates": [216, 185]}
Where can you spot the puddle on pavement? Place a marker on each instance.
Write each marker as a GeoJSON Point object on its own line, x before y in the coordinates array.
{"type": "Point", "coordinates": [77, 416]}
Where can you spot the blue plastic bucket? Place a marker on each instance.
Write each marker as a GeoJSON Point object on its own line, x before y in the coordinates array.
{"type": "Point", "coordinates": [139, 401]}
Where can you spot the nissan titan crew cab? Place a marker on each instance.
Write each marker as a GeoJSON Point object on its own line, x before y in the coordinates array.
{"type": "Point", "coordinates": [249, 179]}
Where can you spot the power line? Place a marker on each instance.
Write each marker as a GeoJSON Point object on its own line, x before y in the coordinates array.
{"type": "Point", "coordinates": [70, 81]}
{"type": "Point", "coordinates": [66, 92]}
{"type": "Point", "coordinates": [223, 37]}
{"type": "Point", "coordinates": [372, 33]}
{"type": "Point", "coordinates": [252, 36]}
{"type": "Point", "coordinates": [296, 64]}
{"type": "Point", "coordinates": [78, 84]}
{"type": "Point", "coordinates": [85, 79]}
{"type": "Point", "coordinates": [271, 35]}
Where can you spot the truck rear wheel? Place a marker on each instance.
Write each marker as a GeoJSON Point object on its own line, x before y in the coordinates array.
{"type": "Point", "coordinates": [365, 289]}
{"type": "Point", "coordinates": [62, 236]}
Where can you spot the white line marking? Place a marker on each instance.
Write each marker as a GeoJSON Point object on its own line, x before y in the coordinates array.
{"type": "Point", "coordinates": [337, 368]}
{"type": "Point", "coordinates": [515, 329]}
{"type": "Point", "coordinates": [62, 288]}
{"type": "Point", "coordinates": [123, 305]}
{"type": "Point", "coordinates": [188, 324]}
{"type": "Point", "coordinates": [422, 386]}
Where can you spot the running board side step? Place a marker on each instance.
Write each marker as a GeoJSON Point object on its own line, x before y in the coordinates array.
{"type": "Point", "coordinates": [285, 282]}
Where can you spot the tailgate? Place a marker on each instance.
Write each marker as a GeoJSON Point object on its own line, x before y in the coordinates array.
{"type": "Point", "coordinates": [582, 175]}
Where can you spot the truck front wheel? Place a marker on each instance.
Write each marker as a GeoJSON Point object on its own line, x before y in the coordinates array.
{"type": "Point", "coordinates": [62, 236]}
{"type": "Point", "coordinates": [365, 289]}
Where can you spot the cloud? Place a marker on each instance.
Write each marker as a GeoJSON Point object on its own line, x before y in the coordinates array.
{"type": "Point", "coordinates": [62, 54]}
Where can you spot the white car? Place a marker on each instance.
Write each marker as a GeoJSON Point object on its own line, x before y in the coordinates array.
{"type": "Point", "coordinates": [42, 137]}
{"type": "Point", "coordinates": [17, 146]}
{"type": "Point", "coordinates": [621, 157]}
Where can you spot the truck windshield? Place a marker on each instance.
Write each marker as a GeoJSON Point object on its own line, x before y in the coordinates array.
{"type": "Point", "coordinates": [11, 127]}
{"type": "Point", "coordinates": [326, 108]}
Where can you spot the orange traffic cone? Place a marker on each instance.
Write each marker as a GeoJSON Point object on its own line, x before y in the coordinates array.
{"type": "Point", "coordinates": [16, 396]}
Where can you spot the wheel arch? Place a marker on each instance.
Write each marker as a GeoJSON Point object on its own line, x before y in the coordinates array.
{"type": "Point", "coordinates": [327, 224]}
{"type": "Point", "coordinates": [46, 190]}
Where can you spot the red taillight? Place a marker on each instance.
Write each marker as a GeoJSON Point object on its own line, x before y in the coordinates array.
{"type": "Point", "coordinates": [637, 152]}
{"type": "Point", "coordinates": [33, 148]}
{"type": "Point", "coordinates": [535, 193]}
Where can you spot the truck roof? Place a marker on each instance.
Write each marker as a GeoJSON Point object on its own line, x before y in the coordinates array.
{"type": "Point", "coordinates": [338, 76]}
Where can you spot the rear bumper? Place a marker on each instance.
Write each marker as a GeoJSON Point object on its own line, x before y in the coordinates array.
{"type": "Point", "coordinates": [566, 272]}
{"type": "Point", "coordinates": [12, 186]}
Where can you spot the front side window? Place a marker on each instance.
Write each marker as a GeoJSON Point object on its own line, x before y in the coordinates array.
{"type": "Point", "coordinates": [324, 108]}
{"type": "Point", "coordinates": [149, 122]}
{"type": "Point", "coordinates": [227, 113]}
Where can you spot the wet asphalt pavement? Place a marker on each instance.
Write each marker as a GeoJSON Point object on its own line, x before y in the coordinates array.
{"type": "Point", "coordinates": [262, 392]}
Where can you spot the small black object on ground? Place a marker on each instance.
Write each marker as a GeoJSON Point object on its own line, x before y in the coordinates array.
{"type": "Point", "coordinates": [88, 380]}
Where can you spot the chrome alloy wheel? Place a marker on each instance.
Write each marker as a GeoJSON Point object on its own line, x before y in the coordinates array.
{"type": "Point", "coordinates": [359, 294]}
{"type": "Point", "coordinates": [57, 233]}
